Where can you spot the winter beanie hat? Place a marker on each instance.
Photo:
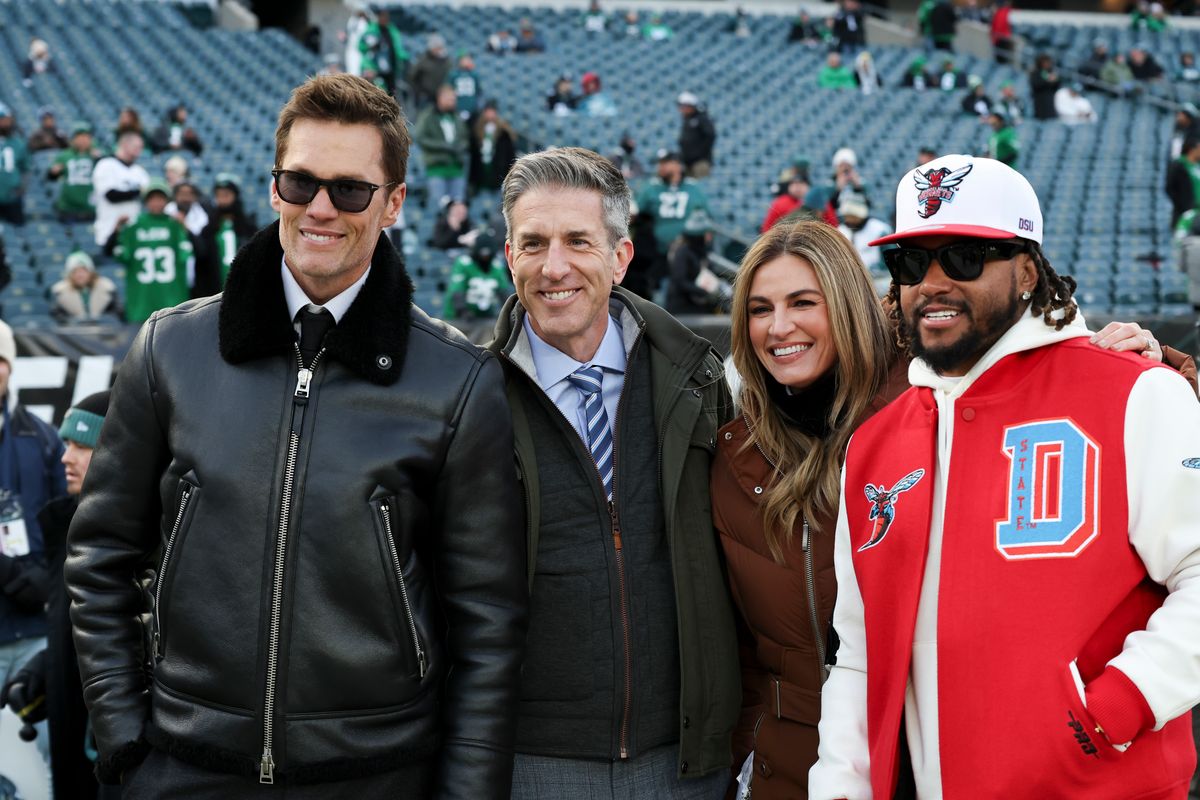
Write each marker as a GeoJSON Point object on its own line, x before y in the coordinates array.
{"type": "Point", "coordinates": [83, 420]}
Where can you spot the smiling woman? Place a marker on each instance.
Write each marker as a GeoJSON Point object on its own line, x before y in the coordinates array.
{"type": "Point", "coordinates": [789, 322]}
{"type": "Point", "coordinates": [817, 357]}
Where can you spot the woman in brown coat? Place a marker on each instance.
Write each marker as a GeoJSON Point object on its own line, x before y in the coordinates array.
{"type": "Point", "coordinates": [817, 357]}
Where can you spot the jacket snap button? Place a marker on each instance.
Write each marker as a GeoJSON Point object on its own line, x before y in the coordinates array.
{"type": "Point", "coordinates": [758, 490]}
{"type": "Point", "coordinates": [383, 362]}
{"type": "Point", "coordinates": [728, 436]}
{"type": "Point", "coordinates": [696, 392]}
{"type": "Point", "coordinates": [687, 722]}
{"type": "Point", "coordinates": [968, 414]}
{"type": "Point", "coordinates": [683, 767]}
{"type": "Point", "coordinates": [708, 373]}
{"type": "Point", "coordinates": [763, 769]}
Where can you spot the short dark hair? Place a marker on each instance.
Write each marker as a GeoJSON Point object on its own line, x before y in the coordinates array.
{"type": "Point", "coordinates": [350, 100]}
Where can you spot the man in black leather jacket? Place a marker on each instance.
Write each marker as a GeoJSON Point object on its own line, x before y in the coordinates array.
{"type": "Point", "coordinates": [340, 601]}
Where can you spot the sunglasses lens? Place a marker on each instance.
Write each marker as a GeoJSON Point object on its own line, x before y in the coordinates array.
{"type": "Point", "coordinates": [907, 265]}
{"type": "Point", "coordinates": [295, 187]}
{"type": "Point", "coordinates": [962, 262]}
{"type": "Point", "coordinates": [352, 196]}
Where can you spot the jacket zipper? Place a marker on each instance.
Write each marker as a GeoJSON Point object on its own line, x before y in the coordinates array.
{"type": "Point", "coordinates": [627, 705]}
{"type": "Point", "coordinates": [162, 572]}
{"type": "Point", "coordinates": [810, 587]}
{"type": "Point", "coordinates": [304, 376]}
{"type": "Point", "coordinates": [386, 514]}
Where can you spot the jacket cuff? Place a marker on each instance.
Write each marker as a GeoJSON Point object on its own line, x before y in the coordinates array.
{"type": "Point", "coordinates": [111, 767]}
{"type": "Point", "coordinates": [1118, 707]}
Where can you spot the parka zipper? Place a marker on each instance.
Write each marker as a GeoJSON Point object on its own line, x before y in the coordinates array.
{"type": "Point", "coordinates": [386, 515]}
{"type": "Point", "coordinates": [162, 572]}
{"type": "Point", "coordinates": [810, 587]}
{"type": "Point", "coordinates": [304, 376]}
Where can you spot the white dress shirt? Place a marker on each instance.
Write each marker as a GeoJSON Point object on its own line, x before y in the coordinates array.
{"type": "Point", "coordinates": [296, 299]}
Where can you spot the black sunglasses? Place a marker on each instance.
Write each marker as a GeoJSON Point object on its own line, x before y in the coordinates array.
{"type": "Point", "coordinates": [961, 261]}
{"type": "Point", "coordinates": [346, 195]}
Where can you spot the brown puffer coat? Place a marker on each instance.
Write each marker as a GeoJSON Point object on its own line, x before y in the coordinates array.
{"type": "Point", "coordinates": [784, 634]}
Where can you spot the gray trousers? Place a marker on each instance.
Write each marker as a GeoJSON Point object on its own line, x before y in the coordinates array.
{"type": "Point", "coordinates": [650, 776]}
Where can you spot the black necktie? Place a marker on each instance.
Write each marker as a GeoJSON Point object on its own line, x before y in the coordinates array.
{"type": "Point", "coordinates": [313, 327]}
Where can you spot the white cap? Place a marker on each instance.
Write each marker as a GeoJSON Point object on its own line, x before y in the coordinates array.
{"type": "Point", "coordinates": [845, 156]}
{"type": "Point", "coordinates": [78, 258]}
{"type": "Point", "coordinates": [853, 207]}
{"type": "Point", "coordinates": [687, 99]}
{"type": "Point", "coordinates": [8, 344]}
{"type": "Point", "coordinates": [962, 195]}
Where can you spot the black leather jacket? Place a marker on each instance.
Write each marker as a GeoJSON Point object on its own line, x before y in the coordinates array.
{"type": "Point", "coordinates": [341, 560]}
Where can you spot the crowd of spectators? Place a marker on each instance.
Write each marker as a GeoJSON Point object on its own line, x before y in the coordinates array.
{"type": "Point", "coordinates": [465, 145]}
{"type": "Point", "coordinates": [174, 240]}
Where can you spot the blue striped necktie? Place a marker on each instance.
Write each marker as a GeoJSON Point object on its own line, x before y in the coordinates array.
{"type": "Point", "coordinates": [588, 380]}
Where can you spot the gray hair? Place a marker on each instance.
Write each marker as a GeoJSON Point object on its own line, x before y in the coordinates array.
{"type": "Point", "coordinates": [571, 168]}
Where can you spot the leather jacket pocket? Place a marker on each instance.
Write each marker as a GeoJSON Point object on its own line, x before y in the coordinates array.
{"type": "Point", "coordinates": [393, 521]}
{"type": "Point", "coordinates": [189, 496]}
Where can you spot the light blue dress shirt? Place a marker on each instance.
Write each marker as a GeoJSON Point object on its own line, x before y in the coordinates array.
{"type": "Point", "coordinates": [554, 367]}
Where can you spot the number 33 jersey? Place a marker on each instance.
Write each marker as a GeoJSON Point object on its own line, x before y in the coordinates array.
{"type": "Point", "coordinates": [157, 254]}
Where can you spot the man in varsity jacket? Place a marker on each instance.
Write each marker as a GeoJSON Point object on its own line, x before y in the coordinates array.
{"type": "Point", "coordinates": [1018, 553]}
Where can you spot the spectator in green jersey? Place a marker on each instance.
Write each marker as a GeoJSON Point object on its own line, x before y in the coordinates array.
{"type": "Point", "coordinates": [74, 167]}
{"type": "Point", "coordinates": [157, 253]}
{"type": "Point", "coordinates": [14, 164]}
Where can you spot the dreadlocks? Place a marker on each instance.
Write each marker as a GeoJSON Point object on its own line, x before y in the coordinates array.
{"type": "Point", "coordinates": [1053, 292]}
{"type": "Point", "coordinates": [1052, 298]}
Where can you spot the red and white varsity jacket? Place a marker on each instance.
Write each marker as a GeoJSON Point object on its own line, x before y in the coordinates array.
{"type": "Point", "coordinates": [1018, 562]}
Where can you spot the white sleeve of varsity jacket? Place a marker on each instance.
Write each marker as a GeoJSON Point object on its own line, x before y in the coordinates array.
{"type": "Point", "coordinates": [843, 757]}
{"type": "Point", "coordinates": [1162, 473]}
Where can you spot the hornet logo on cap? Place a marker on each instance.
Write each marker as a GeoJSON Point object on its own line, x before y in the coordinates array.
{"type": "Point", "coordinates": [937, 186]}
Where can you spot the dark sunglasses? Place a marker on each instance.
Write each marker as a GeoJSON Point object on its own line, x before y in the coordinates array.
{"type": "Point", "coordinates": [961, 261]}
{"type": "Point", "coordinates": [346, 195]}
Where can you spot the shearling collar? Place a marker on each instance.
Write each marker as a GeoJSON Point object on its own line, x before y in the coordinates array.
{"type": "Point", "coordinates": [371, 339]}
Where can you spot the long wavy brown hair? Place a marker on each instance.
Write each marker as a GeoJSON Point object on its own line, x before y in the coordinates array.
{"type": "Point", "coordinates": [808, 468]}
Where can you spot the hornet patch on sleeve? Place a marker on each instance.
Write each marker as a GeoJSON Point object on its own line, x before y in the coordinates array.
{"type": "Point", "coordinates": [883, 505]}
